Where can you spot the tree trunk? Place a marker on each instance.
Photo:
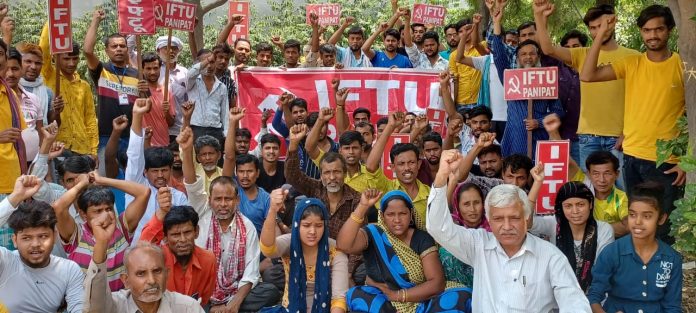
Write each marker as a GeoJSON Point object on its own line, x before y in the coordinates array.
{"type": "Point", "coordinates": [684, 11]}
{"type": "Point", "coordinates": [201, 11]}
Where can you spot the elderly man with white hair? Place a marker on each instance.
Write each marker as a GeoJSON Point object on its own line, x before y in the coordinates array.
{"type": "Point", "coordinates": [513, 271]}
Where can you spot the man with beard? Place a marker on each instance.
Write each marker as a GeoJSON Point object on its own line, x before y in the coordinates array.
{"type": "Point", "coordinates": [145, 278]}
{"type": "Point", "coordinates": [528, 55]}
{"type": "Point", "coordinates": [208, 153]}
{"type": "Point", "coordinates": [432, 149]}
{"type": "Point", "coordinates": [116, 80]}
{"type": "Point", "coordinates": [332, 188]}
{"type": "Point", "coordinates": [405, 163]}
{"type": "Point", "coordinates": [33, 82]}
{"type": "Point", "coordinates": [177, 79]}
{"type": "Point", "coordinates": [29, 104]}
{"type": "Point", "coordinates": [223, 231]}
{"type": "Point", "coordinates": [210, 95]}
{"type": "Point", "coordinates": [244, 168]}
{"type": "Point", "coordinates": [175, 229]}
{"type": "Point", "coordinates": [176, 179]}
{"type": "Point", "coordinates": [78, 126]}
{"type": "Point", "coordinates": [418, 31]}
{"type": "Point", "coordinates": [468, 79]}
{"type": "Point", "coordinates": [242, 141]}
{"type": "Point", "coordinates": [318, 141]}
{"type": "Point", "coordinates": [150, 167]}
{"type": "Point", "coordinates": [264, 54]}
{"type": "Point", "coordinates": [323, 55]}
{"type": "Point", "coordinates": [654, 92]}
{"type": "Point", "coordinates": [31, 279]}
{"type": "Point", "coordinates": [389, 57]}
{"type": "Point", "coordinates": [272, 175]}
{"type": "Point", "coordinates": [600, 126]}
{"type": "Point", "coordinates": [452, 37]}
{"type": "Point", "coordinates": [568, 78]}
{"type": "Point", "coordinates": [425, 55]}
{"type": "Point", "coordinates": [353, 56]}
{"type": "Point", "coordinates": [162, 114]}
{"type": "Point", "coordinates": [490, 161]}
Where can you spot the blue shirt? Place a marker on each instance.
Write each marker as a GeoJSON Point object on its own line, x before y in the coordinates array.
{"type": "Point", "coordinates": [515, 135]}
{"type": "Point", "coordinates": [634, 287]}
{"type": "Point", "coordinates": [446, 54]}
{"type": "Point", "coordinates": [382, 60]}
{"type": "Point", "coordinates": [255, 210]}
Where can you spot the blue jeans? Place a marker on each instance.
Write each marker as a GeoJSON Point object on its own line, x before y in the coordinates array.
{"type": "Point", "coordinates": [592, 143]}
{"type": "Point", "coordinates": [638, 170]}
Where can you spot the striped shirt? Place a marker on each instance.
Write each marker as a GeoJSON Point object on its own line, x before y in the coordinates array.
{"type": "Point", "coordinates": [538, 278]}
{"type": "Point", "coordinates": [80, 248]}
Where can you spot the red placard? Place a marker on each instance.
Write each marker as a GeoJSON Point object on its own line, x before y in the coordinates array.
{"type": "Point", "coordinates": [175, 15]}
{"type": "Point", "coordinates": [436, 118]}
{"type": "Point", "coordinates": [59, 26]}
{"type": "Point", "coordinates": [555, 155]}
{"type": "Point", "coordinates": [379, 90]}
{"type": "Point", "coordinates": [386, 161]}
{"type": "Point", "coordinates": [240, 31]}
{"type": "Point", "coordinates": [428, 14]}
{"type": "Point", "coordinates": [328, 13]}
{"type": "Point", "coordinates": [531, 83]}
{"type": "Point", "coordinates": [136, 17]}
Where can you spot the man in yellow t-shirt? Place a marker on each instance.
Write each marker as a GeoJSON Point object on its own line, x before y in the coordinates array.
{"type": "Point", "coordinates": [468, 78]}
{"type": "Point", "coordinates": [611, 203]}
{"type": "Point", "coordinates": [601, 103]}
{"type": "Point", "coordinates": [654, 101]}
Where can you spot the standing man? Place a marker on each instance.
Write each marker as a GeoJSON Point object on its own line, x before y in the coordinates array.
{"type": "Point", "coordinates": [468, 80]}
{"type": "Point", "coordinates": [264, 54]}
{"type": "Point", "coordinates": [452, 38]}
{"type": "Point", "coordinates": [601, 122]}
{"type": "Point", "coordinates": [116, 80]}
{"type": "Point", "coordinates": [33, 82]}
{"type": "Point", "coordinates": [654, 92]}
{"type": "Point", "coordinates": [74, 108]}
{"type": "Point", "coordinates": [211, 100]}
{"type": "Point", "coordinates": [162, 114]}
{"type": "Point", "coordinates": [389, 57]}
{"type": "Point", "coordinates": [427, 55]}
{"type": "Point", "coordinates": [353, 56]}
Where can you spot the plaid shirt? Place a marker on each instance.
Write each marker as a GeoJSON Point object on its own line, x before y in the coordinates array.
{"type": "Point", "coordinates": [229, 82]}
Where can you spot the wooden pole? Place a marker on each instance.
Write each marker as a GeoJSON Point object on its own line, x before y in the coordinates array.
{"type": "Point", "coordinates": [56, 56]}
{"type": "Point", "coordinates": [139, 60]}
{"type": "Point", "coordinates": [166, 64]}
{"type": "Point", "coordinates": [530, 102]}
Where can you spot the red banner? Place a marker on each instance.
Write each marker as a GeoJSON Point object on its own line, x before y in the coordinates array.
{"type": "Point", "coordinates": [175, 15]}
{"type": "Point", "coordinates": [386, 160]}
{"type": "Point", "coordinates": [136, 17]}
{"type": "Point", "coordinates": [428, 14]}
{"type": "Point", "coordinates": [239, 31]}
{"type": "Point", "coordinates": [531, 83]}
{"type": "Point", "coordinates": [379, 90]}
{"type": "Point", "coordinates": [328, 13]}
{"type": "Point", "coordinates": [436, 118]}
{"type": "Point", "coordinates": [555, 155]}
{"type": "Point", "coordinates": [59, 26]}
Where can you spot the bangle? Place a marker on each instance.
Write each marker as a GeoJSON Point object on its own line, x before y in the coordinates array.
{"type": "Point", "coordinates": [403, 298]}
{"type": "Point", "coordinates": [357, 220]}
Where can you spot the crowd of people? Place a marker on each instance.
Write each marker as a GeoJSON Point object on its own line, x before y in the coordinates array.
{"type": "Point", "coordinates": [158, 201]}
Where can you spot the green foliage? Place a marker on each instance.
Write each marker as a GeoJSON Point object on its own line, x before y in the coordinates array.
{"type": "Point", "coordinates": [683, 218]}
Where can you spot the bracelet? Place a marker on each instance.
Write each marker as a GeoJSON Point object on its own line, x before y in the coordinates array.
{"type": "Point", "coordinates": [405, 294]}
{"type": "Point", "coordinates": [355, 219]}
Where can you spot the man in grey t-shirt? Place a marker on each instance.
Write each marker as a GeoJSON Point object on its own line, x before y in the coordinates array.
{"type": "Point", "coordinates": [31, 279]}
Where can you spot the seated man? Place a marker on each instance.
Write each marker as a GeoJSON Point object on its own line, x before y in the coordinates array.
{"type": "Point", "coordinates": [32, 280]}
{"type": "Point", "coordinates": [145, 275]}
{"type": "Point", "coordinates": [231, 236]}
{"type": "Point", "coordinates": [93, 202]}
{"type": "Point", "coordinates": [513, 271]}
{"type": "Point", "coordinates": [149, 167]}
{"type": "Point", "coordinates": [176, 229]}
{"type": "Point", "coordinates": [208, 153]}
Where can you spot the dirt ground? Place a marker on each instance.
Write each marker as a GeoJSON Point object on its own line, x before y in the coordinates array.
{"type": "Point", "coordinates": [689, 291]}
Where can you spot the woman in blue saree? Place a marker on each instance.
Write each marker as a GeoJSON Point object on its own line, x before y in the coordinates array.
{"type": "Point", "coordinates": [402, 262]}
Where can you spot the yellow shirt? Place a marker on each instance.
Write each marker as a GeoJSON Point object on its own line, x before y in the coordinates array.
{"type": "Point", "coordinates": [613, 209]}
{"type": "Point", "coordinates": [3, 308]}
{"type": "Point", "coordinates": [601, 103]}
{"type": "Point", "coordinates": [469, 78]}
{"type": "Point", "coordinates": [420, 202]}
{"type": "Point", "coordinates": [654, 102]}
{"type": "Point", "coordinates": [200, 172]}
{"type": "Point", "coordinates": [78, 128]}
{"type": "Point", "coordinates": [9, 161]}
{"type": "Point", "coordinates": [359, 182]}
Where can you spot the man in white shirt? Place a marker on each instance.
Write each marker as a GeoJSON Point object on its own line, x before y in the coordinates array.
{"type": "Point", "coordinates": [151, 167]}
{"type": "Point", "coordinates": [219, 225]}
{"type": "Point", "coordinates": [31, 279]}
{"type": "Point", "coordinates": [514, 272]}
